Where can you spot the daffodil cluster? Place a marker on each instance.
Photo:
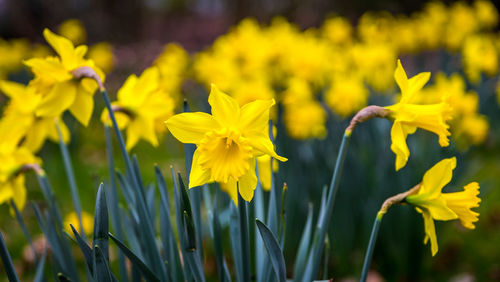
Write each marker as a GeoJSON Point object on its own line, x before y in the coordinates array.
{"type": "Point", "coordinates": [33, 113]}
{"type": "Point", "coordinates": [345, 63]}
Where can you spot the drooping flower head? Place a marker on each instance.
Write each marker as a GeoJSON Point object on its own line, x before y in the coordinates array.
{"type": "Point", "coordinates": [435, 205]}
{"type": "Point", "coordinates": [227, 141]}
{"type": "Point", "coordinates": [409, 116]}
{"type": "Point", "coordinates": [56, 80]}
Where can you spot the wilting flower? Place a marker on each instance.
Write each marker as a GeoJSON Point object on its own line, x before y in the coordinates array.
{"type": "Point", "coordinates": [228, 141]}
{"type": "Point", "coordinates": [435, 205]}
{"type": "Point", "coordinates": [409, 116]}
{"type": "Point", "coordinates": [141, 107]}
{"type": "Point", "coordinates": [55, 80]}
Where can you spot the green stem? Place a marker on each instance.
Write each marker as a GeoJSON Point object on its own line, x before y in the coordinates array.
{"type": "Point", "coordinates": [115, 211]}
{"type": "Point", "coordinates": [371, 246]}
{"type": "Point", "coordinates": [68, 167]}
{"type": "Point", "coordinates": [245, 245]}
{"type": "Point", "coordinates": [324, 219]}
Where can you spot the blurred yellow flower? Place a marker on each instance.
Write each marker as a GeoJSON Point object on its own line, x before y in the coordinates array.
{"type": "Point", "coordinates": [409, 116]}
{"type": "Point", "coordinates": [12, 179]}
{"type": "Point", "coordinates": [228, 141]}
{"type": "Point", "coordinates": [102, 54]}
{"type": "Point", "coordinates": [435, 205]}
{"type": "Point", "coordinates": [72, 218]}
{"type": "Point", "coordinates": [140, 107]}
{"type": "Point", "coordinates": [479, 54]}
{"type": "Point", "coordinates": [347, 95]}
{"type": "Point", "coordinates": [74, 30]}
{"type": "Point", "coordinates": [19, 125]}
{"type": "Point", "coordinates": [172, 63]}
{"type": "Point", "coordinates": [55, 81]}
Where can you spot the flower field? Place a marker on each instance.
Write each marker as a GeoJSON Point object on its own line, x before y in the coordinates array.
{"type": "Point", "coordinates": [360, 148]}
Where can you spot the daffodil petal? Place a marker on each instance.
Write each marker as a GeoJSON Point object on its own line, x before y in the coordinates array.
{"type": "Point", "coordinates": [231, 189]}
{"type": "Point", "coordinates": [263, 145]}
{"type": "Point", "coordinates": [254, 117]}
{"type": "Point", "coordinates": [418, 81]}
{"type": "Point", "coordinates": [52, 68]}
{"type": "Point", "coordinates": [198, 176]}
{"type": "Point", "coordinates": [83, 106]}
{"type": "Point", "coordinates": [63, 46]}
{"type": "Point", "coordinates": [225, 109]}
{"type": "Point", "coordinates": [399, 146]}
{"type": "Point", "coordinates": [430, 231]}
{"type": "Point", "coordinates": [438, 176]}
{"type": "Point", "coordinates": [191, 127]}
{"type": "Point", "coordinates": [59, 99]}
{"type": "Point", "coordinates": [248, 182]}
{"type": "Point", "coordinates": [401, 78]}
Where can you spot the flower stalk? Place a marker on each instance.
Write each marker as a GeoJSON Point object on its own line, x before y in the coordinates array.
{"type": "Point", "coordinates": [245, 243]}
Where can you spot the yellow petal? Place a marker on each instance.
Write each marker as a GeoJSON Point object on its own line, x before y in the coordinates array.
{"type": "Point", "coordinates": [19, 191]}
{"type": "Point", "coordinates": [401, 78]}
{"type": "Point", "coordinates": [49, 67]}
{"type": "Point", "coordinates": [398, 146]}
{"type": "Point", "coordinates": [430, 232]}
{"type": "Point", "coordinates": [83, 106]}
{"type": "Point", "coordinates": [198, 176]}
{"type": "Point", "coordinates": [141, 128]}
{"type": "Point", "coordinates": [263, 145]}
{"type": "Point", "coordinates": [191, 127]}
{"type": "Point", "coordinates": [63, 47]}
{"type": "Point", "coordinates": [248, 182]}
{"type": "Point", "coordinates": [231, 189]}
{"type": "Point", "coordinates": [225, 109]}
{"type": "Point", "coordinates": [254, 117]}
{"type": "Point", "coordinates": [417, 82]}
{"type": "Point", "coordinates": [265, 171]}
{"type": "Point", "coordinates": [12, 89]}
{"type": "Point", "coordinates": [59, 99]}
{"type": "Point", "coordinates": [36, 135]}
{"type": "Point", "coordinates": [437, 177]}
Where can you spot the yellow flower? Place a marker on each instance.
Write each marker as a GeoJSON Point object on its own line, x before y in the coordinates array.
{"type": "Point", "coordinates": [55, 81]}
{"type": "Point", "coordinates": [141, 105]}
{"type": "Point", "coordinates": [19, 125]}
{"type": "Point", "coordinates": [72, 218]}
{"type": "Point", "coordinates": [479, 55]}
{"type": "Point", "coordinates": [408, 116]}
{"type": "Point", "coordinates": [346, 95]}
{"type": "Point", "coordinates": [102, 54]}
{"type": "Point", "coordinates": [227, 141]}
{"type": "Point", "coordinates": [435, 205]}
{"type": "Point", "coordinates": [74, 30]}
{"type": "Point", "coordinates": [11, 178]}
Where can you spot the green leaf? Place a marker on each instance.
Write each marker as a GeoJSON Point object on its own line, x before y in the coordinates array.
{"type": "Point", "coordinates": [39, 277]}
{"type": "Point", "coordinates": [273, 250]}
{"type": "Point", "coordinates": [101, 223]}
{"type": "Point", "coordinates": [148, 274]}
{"type": "Point", "coordinates": [7, 261]}
{"type": "Point", "coordinates": [86, 250]}
{"type": "Point", "coordinates": [300, 260]}
{"type": "Point", "coordinates": [101, 267]}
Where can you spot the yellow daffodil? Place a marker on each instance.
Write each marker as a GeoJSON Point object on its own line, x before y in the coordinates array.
{"type": "Point", "coordinates": [55, 80]}
{"type": "Point", "coordinates": [74, 30]}
{"type": "Point", "coordinates": [12, 179]}
{"type": "Point", "coordinates": [102, 54]}
{"type": "Point", "coordinates": [141, 106]}
{"type": "Point", "coordinates": [409, 116]}
{"type": "Point", "coordinates": [435, 205]}
{"type": "Point", "coordinates": [19, 125]}
{"type": "Point", "coordinates": [346, 95]}
{"type": "Point", "coordinates": [72, 218]}
{"type": "Point", "coordinates": [227, 141]}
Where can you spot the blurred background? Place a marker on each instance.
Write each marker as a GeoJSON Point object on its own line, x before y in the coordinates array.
{"type": "Point", "coordinates": [132, 34]}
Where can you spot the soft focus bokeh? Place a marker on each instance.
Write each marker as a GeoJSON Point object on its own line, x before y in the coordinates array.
{"type": "Point", "coordinates": [322, 61]}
